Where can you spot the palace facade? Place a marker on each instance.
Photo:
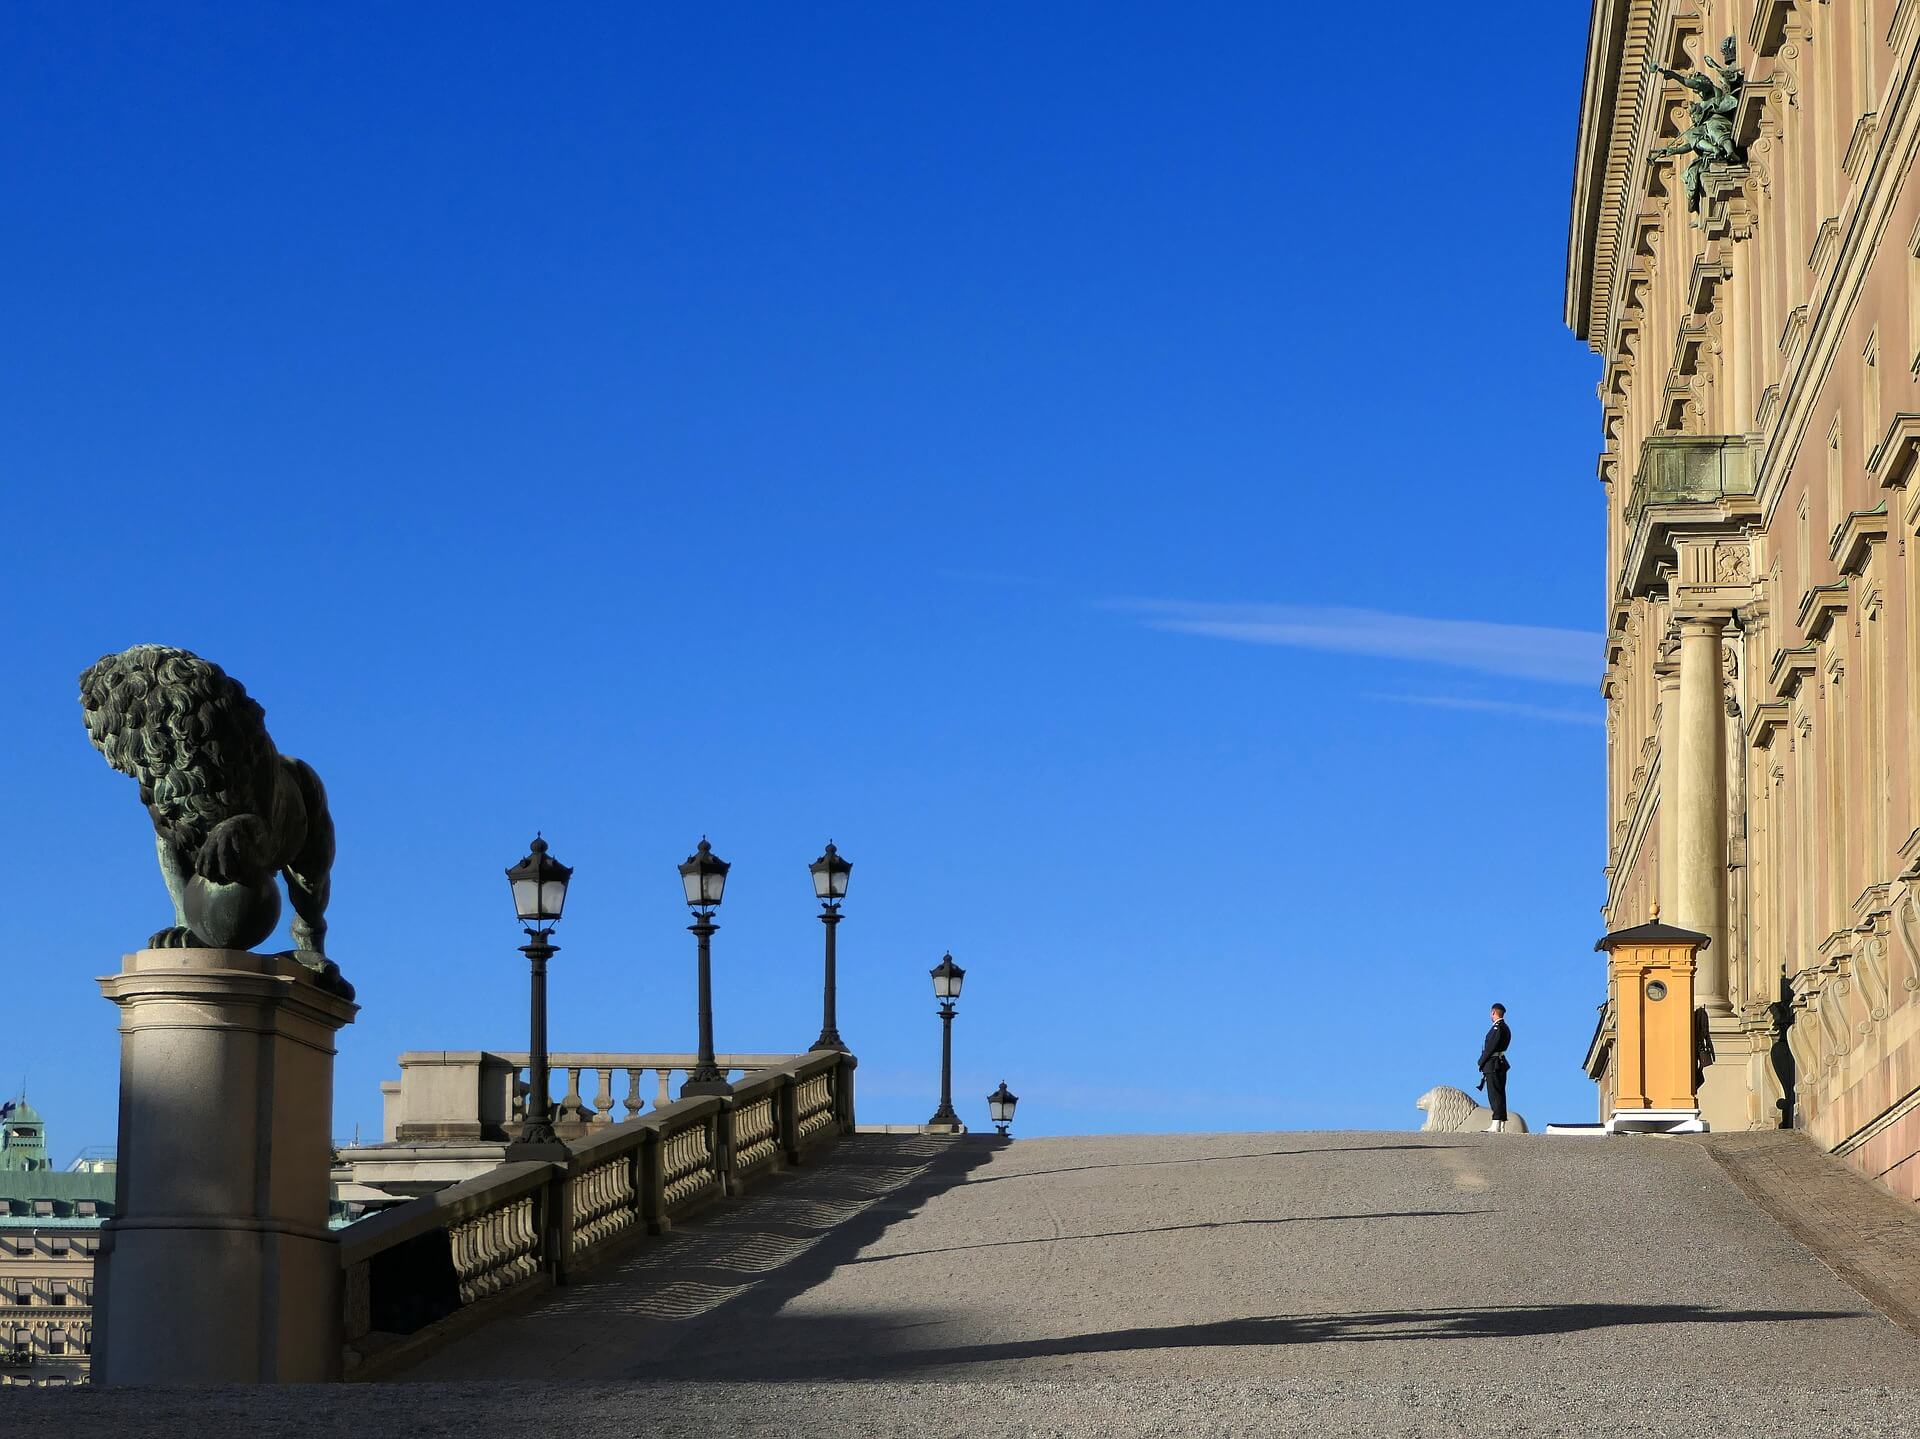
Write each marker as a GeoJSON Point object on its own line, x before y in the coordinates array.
{"type": "Point", "coordinates": [49, 1234]}
{"type": "Point", "coordinates": [1745, 257]}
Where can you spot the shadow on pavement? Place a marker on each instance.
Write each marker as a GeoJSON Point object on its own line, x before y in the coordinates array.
{"type": "Point", "coordinates": [858, 1347]}
{"type": "Point", "coordinates": [1208, 1159]}
{"type": "Point", "coordinates": [1175, 1229]}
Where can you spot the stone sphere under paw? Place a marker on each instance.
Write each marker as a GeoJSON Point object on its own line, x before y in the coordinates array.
{"type": "Point", "coordinates": [232, 916]}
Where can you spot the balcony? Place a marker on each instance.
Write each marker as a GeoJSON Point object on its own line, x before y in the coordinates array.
{"type": "Point", "coordinates": [1691, 469]}
{"type": "Point", "coordinates": [1686, 485]}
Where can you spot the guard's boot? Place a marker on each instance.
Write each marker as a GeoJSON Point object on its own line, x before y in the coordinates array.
{"type": "Point", "coordinates": [1497, 1127]}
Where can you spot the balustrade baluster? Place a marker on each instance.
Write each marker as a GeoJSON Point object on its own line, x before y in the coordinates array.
{"type": "Point", "coordinates": [665, 1096]}
{"type": "Point", "coordinates": [633, 1101]}
{"type": "Point", "coordinates": [571, 1107]}
{"type": "Point", "coordinates": [604, 1098]}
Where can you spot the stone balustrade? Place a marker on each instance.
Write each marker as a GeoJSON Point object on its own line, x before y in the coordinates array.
{"type": "Point", "coordinates": [435, 1266]}
{"type": "Point", "coordinates": [479, 1094]}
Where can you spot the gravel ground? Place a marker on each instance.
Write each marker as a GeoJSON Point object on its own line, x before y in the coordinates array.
{"type": "Point", "coordinates": [1324, 1284]}
{"type": "Point", "coordinates": [974, 1410]}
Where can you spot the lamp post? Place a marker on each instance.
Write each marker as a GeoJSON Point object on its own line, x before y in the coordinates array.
{"type": "Point", "coordinates": [539, 885]}
{"type": "Point", "coordinates": [947, 979]}
{"type": "Point", "coordinates": [705, 877]}
{"type": "Point", "coordinates": [1000, 1105]}
{"type": "Point", "coordinates": [830, 887]}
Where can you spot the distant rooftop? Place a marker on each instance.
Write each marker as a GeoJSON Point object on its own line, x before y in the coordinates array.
{"type": "Point", "coordinates": [29, 1182]}
{"type": "Point", "coordinates": [23, 1137]}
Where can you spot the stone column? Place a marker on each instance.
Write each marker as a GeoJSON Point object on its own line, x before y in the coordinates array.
{"type": "Point", "coordinates": [1700, 877]}
{"type": "Point", "coordinates": [218, 1266]}
{"type": "Point", "coordinates": [1700, 897]}
{"type": "Point", "coordinates": [1666, 676]}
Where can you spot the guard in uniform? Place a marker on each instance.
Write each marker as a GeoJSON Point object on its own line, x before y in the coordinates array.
{"type": "Point", "coordinates": [1493, 1068]}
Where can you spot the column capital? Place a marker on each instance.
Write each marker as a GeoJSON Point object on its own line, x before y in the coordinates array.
{"type": "Point", "coordinates": [1709, 623]}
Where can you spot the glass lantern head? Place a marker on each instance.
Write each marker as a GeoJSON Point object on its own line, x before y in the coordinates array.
{"type": "Point", "coordinates": [1000, 1104]}
{"type": "Point", "coordinates": [947, 978]}
{"type": "Point", "coordinates": [705, 877]}
{"type": "Point", "coordinates": [830, 876]}
{"type": "Point", "coordinates": [539, 885]}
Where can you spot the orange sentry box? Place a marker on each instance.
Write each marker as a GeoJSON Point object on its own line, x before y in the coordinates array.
{"type": "Point", "coordinates": [1651, 977]}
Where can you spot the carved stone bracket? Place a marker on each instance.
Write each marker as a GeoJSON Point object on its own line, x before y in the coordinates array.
{"type": "Point", "coordinates": [1725, 209]}
{"type": "Point", "coordinates": [1905, 952]}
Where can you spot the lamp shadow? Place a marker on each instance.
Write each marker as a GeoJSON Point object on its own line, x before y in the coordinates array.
{"type": "Point", "coordinates": [860, 1346]}
{"type": "Point", "coordinates": [1206, 1159]}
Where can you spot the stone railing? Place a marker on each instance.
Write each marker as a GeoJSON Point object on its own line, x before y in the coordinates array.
{"type": "Point", "coordinates": [479, 1094]}
{"type": "Point", "coordinates": [437, 1266]}
{"type": "Point", "coordinates": [610, 1096]}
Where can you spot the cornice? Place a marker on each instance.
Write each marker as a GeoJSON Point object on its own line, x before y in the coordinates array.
{"type": "Point", "coordinates": [1820, 606]}
{"type": "Point", "coordinates": [1790, 668]}
{"type": "Point", "coordinates": [1892, 459]}
{"type": "Point", "coordinates": [1603, 155]}
{"type": "Point", "coordinates": [1855, 536]}
{"type": "Point", "coordinates": [1769, 718]}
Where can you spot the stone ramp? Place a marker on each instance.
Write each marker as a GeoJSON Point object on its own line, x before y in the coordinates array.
{"type": "Point", "coordinates": [1863, 1233]}
{"type": "Point", "coordinates": [1259, 1284]}
{"type": "Point", "coordinates": [1274, 1258]}
{"type": "Point", "coordinates": [1094, 1408]}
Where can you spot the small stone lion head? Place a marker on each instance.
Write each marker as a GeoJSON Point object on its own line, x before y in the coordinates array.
{"type": "Point", "coordinates": [1448, 1110]}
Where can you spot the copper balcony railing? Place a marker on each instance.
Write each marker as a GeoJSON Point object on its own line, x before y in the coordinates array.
{"type": "Point", "coordinates": [1691, 469]}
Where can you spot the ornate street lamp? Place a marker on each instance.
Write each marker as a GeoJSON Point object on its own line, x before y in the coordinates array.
{"type": "Point", "coordinates": [1000, 1105]}
{"type": "Point", "coordinates": [539, 885]}
{"type": "Point", "coordinates": [705, 877]}
{"type": "Point", "coordinates": [830, 887]}
{"type": "Point", "coordinates": [947, 979]}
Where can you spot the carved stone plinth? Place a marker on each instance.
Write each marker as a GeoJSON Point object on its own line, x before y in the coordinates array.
{"type": "Point", "coordinates": [218, 1266]}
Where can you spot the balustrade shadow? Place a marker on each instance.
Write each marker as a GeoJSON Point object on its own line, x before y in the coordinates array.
{"type": "Point", "coordinates": [735, 1264]}
{"type": "Point", "coordinates": [866, 1347]}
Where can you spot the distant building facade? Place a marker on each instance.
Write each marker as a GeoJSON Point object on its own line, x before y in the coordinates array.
{"type": "Point", "coordinates": [1755, 295]}
{"type": "Point", "coordinates": [49, 1234]}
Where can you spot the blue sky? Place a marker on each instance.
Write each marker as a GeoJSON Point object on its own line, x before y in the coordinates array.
{"type": "Point", "coordinates": [1117, 470]}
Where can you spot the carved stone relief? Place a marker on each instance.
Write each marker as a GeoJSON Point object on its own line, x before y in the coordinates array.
{"type": "Point", "coordinates": [1906, 933]}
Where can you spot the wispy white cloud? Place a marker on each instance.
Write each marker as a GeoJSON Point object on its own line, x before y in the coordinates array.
{"type": "Point", "coordinates": [1558, 713]}
{"type": "Point", "coordinates": [1533, 652]}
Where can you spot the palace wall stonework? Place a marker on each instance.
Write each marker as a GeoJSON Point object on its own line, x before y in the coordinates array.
{"type": "Point", "coordinates": [1760, 421]}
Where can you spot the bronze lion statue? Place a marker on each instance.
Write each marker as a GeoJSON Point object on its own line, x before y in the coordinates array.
{"type": "Point", "coordinates": [229, 810]}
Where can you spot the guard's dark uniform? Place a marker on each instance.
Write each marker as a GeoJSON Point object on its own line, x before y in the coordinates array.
{"type": "Point", "coordinates": [1493, 1067]}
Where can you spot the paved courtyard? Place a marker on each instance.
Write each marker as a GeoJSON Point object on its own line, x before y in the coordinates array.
{"type": "Point", "coordinates": [1263, 1283]}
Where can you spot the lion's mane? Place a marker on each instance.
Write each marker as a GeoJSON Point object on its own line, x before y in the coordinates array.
{"type": "Point", "coordinates": [187, 731]}
{"type": "Point", "coordinates": [1454, 1111]}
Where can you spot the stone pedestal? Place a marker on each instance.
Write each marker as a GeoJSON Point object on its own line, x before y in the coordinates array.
{"type": "Point", "coordinates": [1726, 1102]}
{"type": "Point", "coordinates": [218, 1266]}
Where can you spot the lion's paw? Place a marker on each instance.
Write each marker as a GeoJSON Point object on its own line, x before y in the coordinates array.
{"type": "Point", "coordinates": [179, 937]}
